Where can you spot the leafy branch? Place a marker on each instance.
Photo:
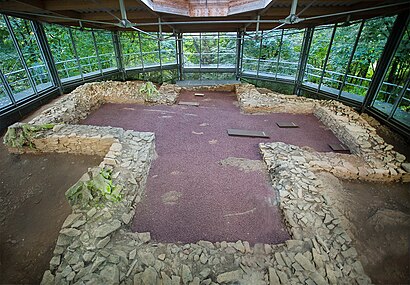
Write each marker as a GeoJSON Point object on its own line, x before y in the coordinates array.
{"type": "Point", "coordinates": [95, 190]}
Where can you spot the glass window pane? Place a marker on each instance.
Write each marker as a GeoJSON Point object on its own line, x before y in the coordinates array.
{"type": "Point", "coordinates": [168, 50]}
{"type": "Point", "coordinates": [270, 50]}
{"type": "Point", "coordinates": [149, 47]}
{"type": "Point", "coordinates": [227, 50]}
{"type": "Point", "coordinates": [209, 49]}
{"type": "Point", "coordinates": [4, 99]}
{"type": "Point", "coordinates": [191, 47]}
{"type": "Point", "coordinates": [395, 78]}
{"type": "Point", "coordinates": [12, 67]}
{"type": "Point", "coordinates": [317, 54]}
{"type": "Point", "coordinates": [130, 46]}
{"type": "Point", "coordinates": [402, 112]}
{"type": "Point", "coordinates": [290, 53]}
{"type": "Point", "coordinates": [106, 50]}
{"type": "Point", "coordinates": [62, 49]}
{"type": "Point", "coordinates": [368, 51]}
{"type": "Point", "coordinates": [339, 57]}
{"type": "Point", "coordinates": [87, 55]}
{"type": "Point", "coordinates": [31, 52]}
{"type": "Point", "coordinates": [250, 54]}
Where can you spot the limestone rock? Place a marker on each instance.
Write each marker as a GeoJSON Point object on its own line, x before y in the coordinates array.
{"type": "Point", "coordinates": [186, 274]}
{"type": "Point", "coordinates": [103, 242]}
{"type": "Point", "coordinates": [144, 237]}
{"type": "Point", "coordinates": [149, 276]}
{"type": "Point", "coordinates": [48, 278]}
{"type": "Point", "coordinates": [231, 276]}
{"type": "Point", "coordinates": [146, 258]}
{"type": "Point", "coordinates": [106, 229]}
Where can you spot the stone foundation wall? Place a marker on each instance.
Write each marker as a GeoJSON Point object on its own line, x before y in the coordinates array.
{"type": "Point", "coordinates": [86, 98]}
{"type": "Point", "coordinates": [251, 100]}
{"type": "Point", "coordinates": [215, 88]}
{"type": "Point", "coordinates": [374, 159]}
{"type": "Point", "coordinates": [325, 249]}
{"type": "Point", "coordinates": [96, 246]}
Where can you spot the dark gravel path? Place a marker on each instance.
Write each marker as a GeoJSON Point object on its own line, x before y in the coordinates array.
{"type": "Point", "coordinates": [190, 196]}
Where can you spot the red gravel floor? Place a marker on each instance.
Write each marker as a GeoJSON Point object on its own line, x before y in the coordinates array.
{"type": "Point", "coordinates": [190, 196]}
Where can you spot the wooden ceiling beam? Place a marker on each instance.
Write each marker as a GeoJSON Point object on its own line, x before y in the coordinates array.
{"type": "Point", "coordinates": [104, 16]}
{"type": "Point", "coordinates": [55, 5]}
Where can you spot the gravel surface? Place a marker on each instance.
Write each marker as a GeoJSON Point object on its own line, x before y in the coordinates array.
{"type": "Point", "coordinates": [191, 195]}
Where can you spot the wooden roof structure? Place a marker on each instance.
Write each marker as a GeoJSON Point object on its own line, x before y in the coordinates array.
{"type": "Point", "coordinates": [199, 15]}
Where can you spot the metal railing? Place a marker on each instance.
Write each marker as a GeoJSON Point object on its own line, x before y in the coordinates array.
{"type": "Point", "coordinates": [313, 75]}
{"type": "Point", "coordinates": [334, 80]}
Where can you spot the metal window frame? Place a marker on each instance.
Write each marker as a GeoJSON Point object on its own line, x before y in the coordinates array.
{"type": "Point", "coordinates": [303, 59]}
{"type": "Point", "coordinates": [399, 98]}
{"type": "Point", "coordinates": [96, 51]}
{"type": "Point", "coordinates": [180, 55]}
{"type": "Point", "coordinates": [327, 57]}
{"type": "Point", "coordinates": [356, 42]}
{"type": "Point", "coordinates": [385, 59]}
{"type": "Point", "coordinates": [19, 52]}
{"type": "Point", "coordinates": [238, 54]}
{"type": "Point", "coordinates": [9, 91]}
{"type": "Point", "coordinates": [200, 56]}
{"type": "Point", "coordinates": [259, 58]}
{"type": "Point", "coordinates": [280, 51]}
{"type": "Point", "coordinates": [76, 54]}
{"type": "Point", "coordinates": [118, 53]}
{"type": "Point", "coordinates": [47, 54]}
{"type": "Point", "coordinates": [160, 57]}
{"type": "Point", "coordinates": [142, 59]}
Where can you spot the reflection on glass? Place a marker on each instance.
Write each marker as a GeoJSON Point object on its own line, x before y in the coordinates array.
{"type": "Point", "coordinates": [4, 99]}
{"type": "Point", "coordinates": [339, 55]}
{"type": "Point", "coordinates": [106, 51]}
{"type": "Point", "coordinates": [395, 79]}
{"type": "Point", "coordinates": [84, 44]}
{"type": "Point", "coordinates": [11, 66]}
{"type": "Point", "coordinates": [130, 47]}
{"type": "Point", "coordinates": [250, 57]}
{"type": "Point", "coordinates": [191, 48]}
{"type": "Point", "coordinates": [227, 50]}
{"type": "Point", "coordinates": [62, 49]}
{"type": "Point", "coordinates": [368, 51]}
{"type": "Point", "coordinates": [290, 53]}
{"type": "Point", "coordinates": [402, 113]}
{"type": "Point", "coordinates": [317, 55]}
{"type": "Point", "coordinates": [168, 50]}
{"type": "Point", "coordinates": [149, 48]}
{"type": "Point", "coordinates": [31, 52]}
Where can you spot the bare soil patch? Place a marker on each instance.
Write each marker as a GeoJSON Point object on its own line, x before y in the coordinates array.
{"type": "Point", "coordinates": [32, 210]}
{"type": "Point", "coordinates": [377, 217]}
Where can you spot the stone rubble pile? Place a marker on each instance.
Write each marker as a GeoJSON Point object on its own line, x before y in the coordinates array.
{"type": "Point", "coordinates": [382, 163]}
{"type": "Point", "coordinates": [310, 218]}
{"type": "Point", "coordinates": [76, 106]}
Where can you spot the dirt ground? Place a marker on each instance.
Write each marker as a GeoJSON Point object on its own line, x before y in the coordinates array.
{"type": "Point", "coordinates": [378, 218]}
{"type": "Point", "coordinates": [32, 209]}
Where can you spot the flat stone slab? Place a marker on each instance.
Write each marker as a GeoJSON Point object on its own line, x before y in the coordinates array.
{"type": "Point", "coordinates": [199, 94]}
{"type": "Point", "coordinates": [338, 147]}
{"type": "Point", "coordinates": [247, 133]}
{"type": "Point", "coordinates": [186, 103]}
{"type": "Point", "coordinates": [287, 125]}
